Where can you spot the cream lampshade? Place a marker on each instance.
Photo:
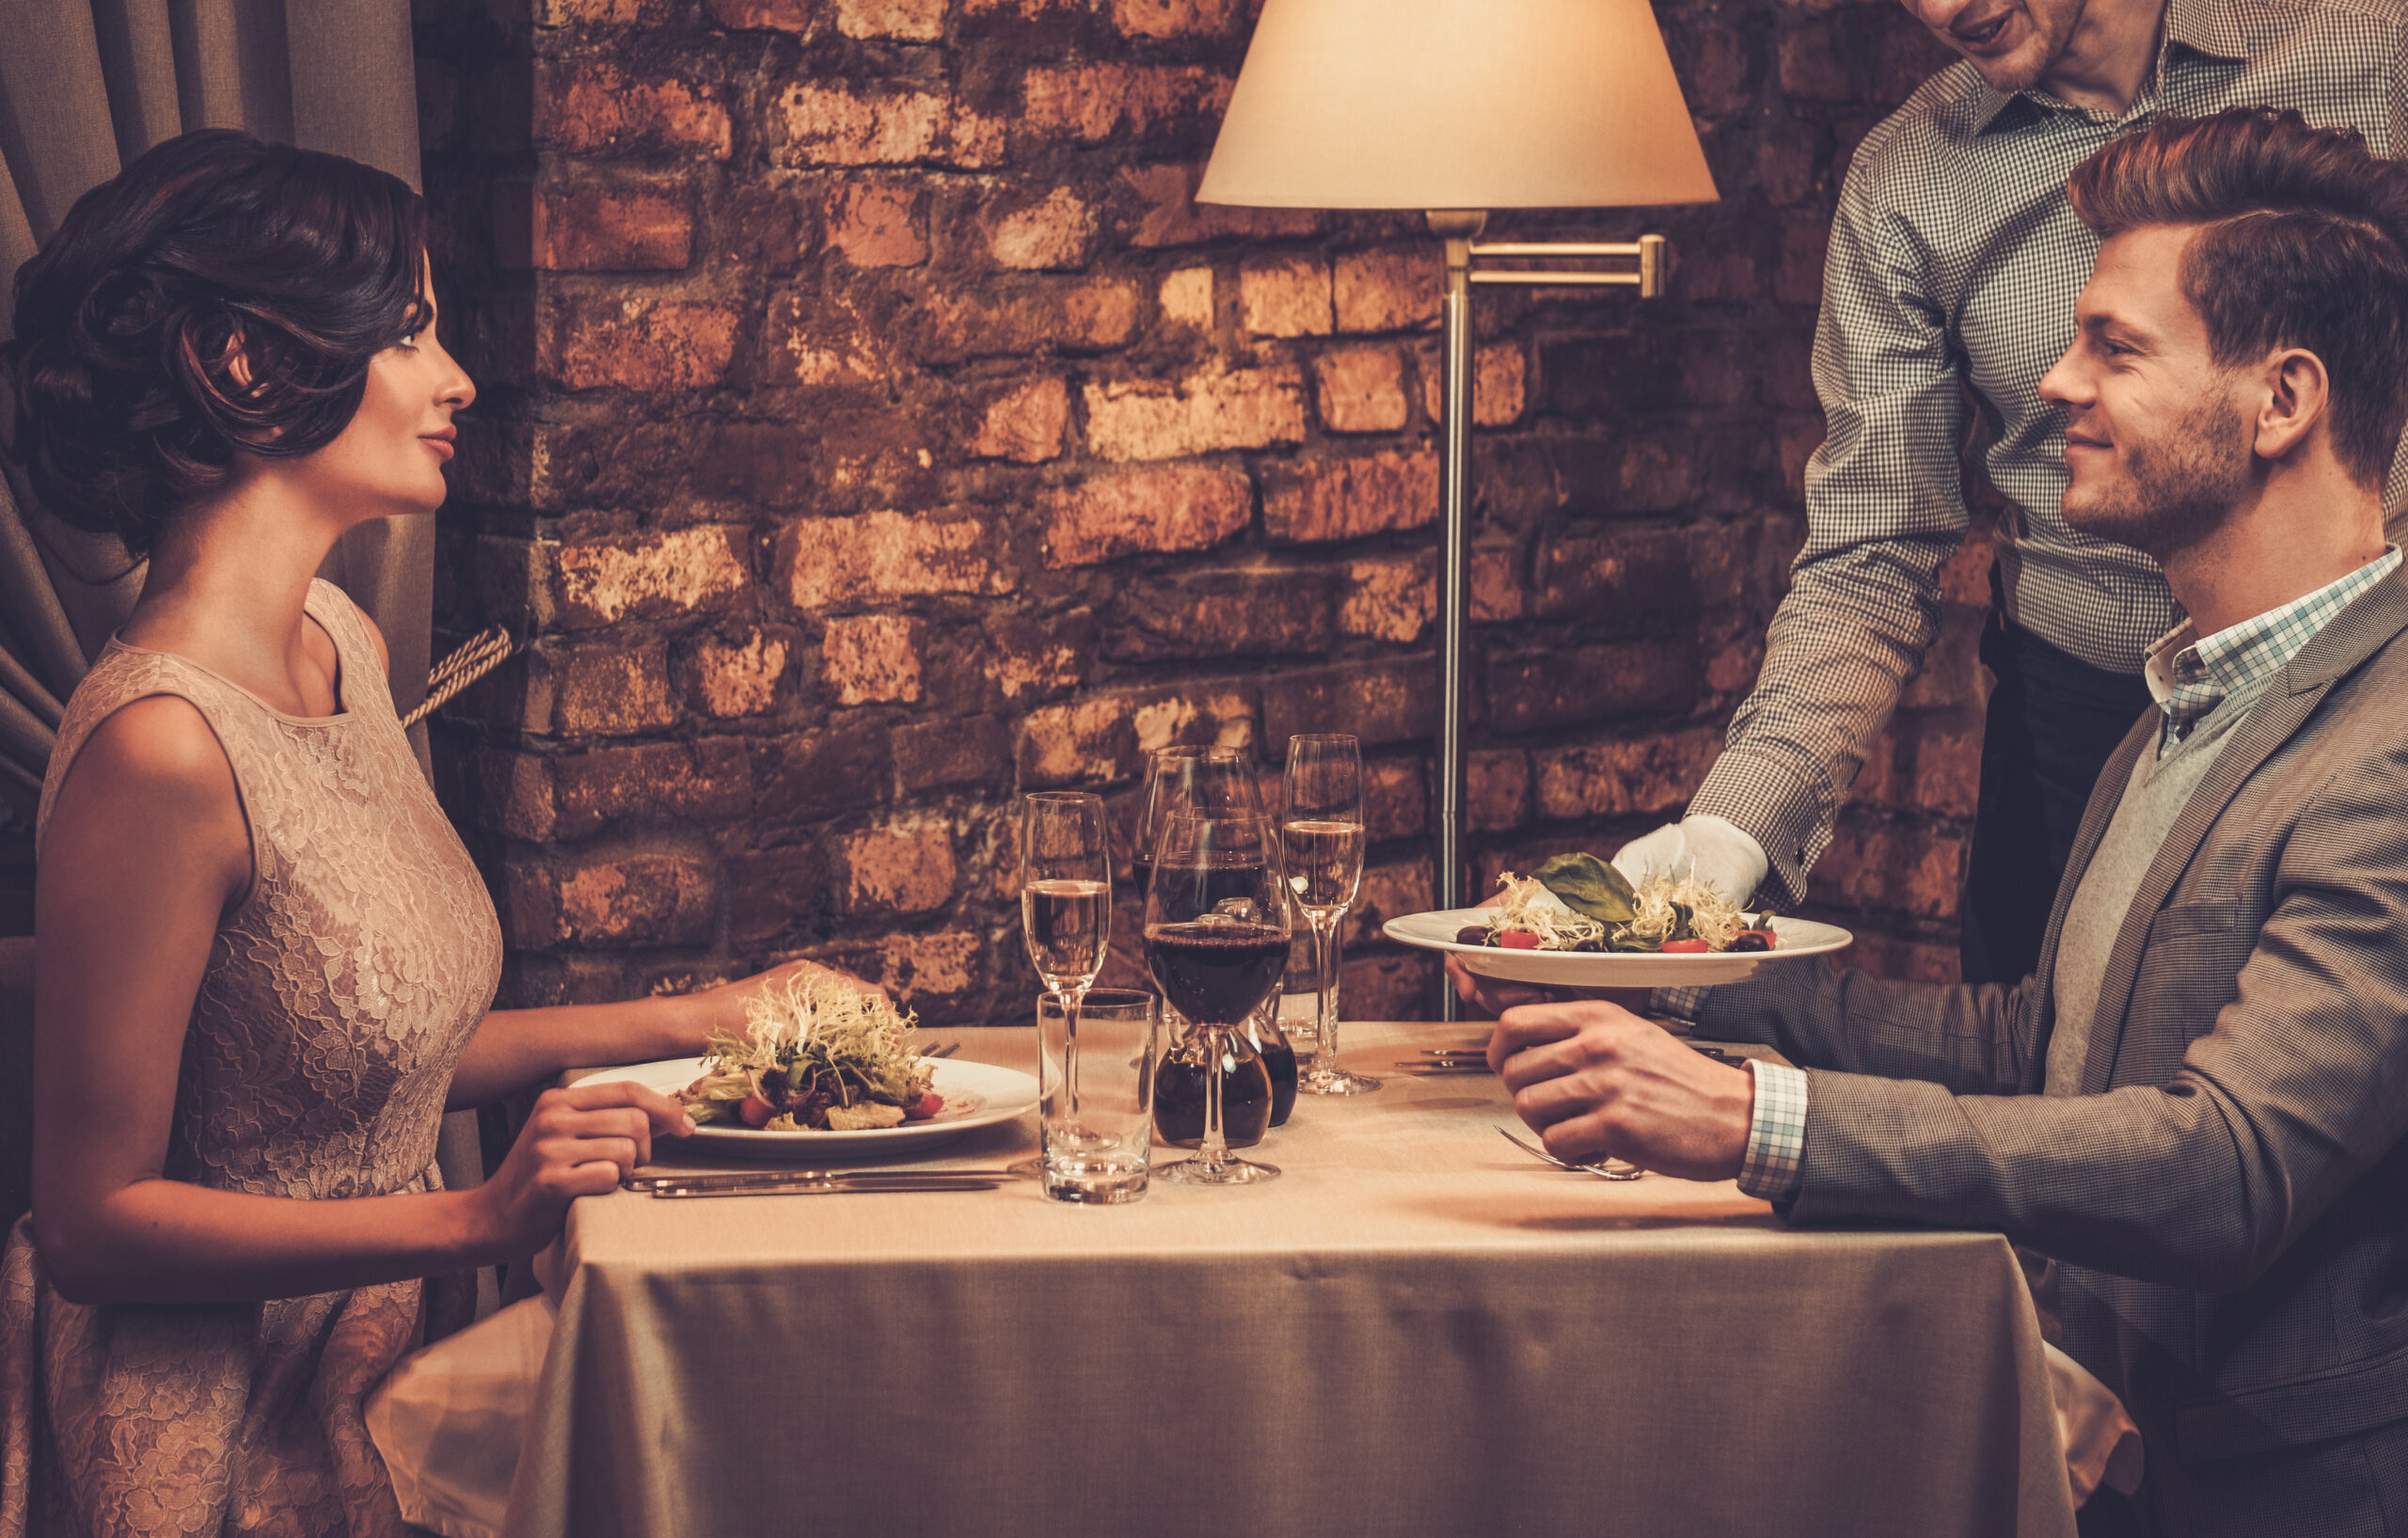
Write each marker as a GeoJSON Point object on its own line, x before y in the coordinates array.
{"type": "Point", "coordinates": [1457, 104]}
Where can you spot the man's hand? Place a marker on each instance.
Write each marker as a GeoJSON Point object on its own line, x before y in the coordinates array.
{"type": "Point", "coordinates": [1492, 996]}
{"type": "Point", "coordinates": [1594, 1082]}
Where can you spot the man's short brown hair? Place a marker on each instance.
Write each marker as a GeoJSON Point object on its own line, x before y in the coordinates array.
{"type": "Point", "coordinates": [2303, 243]}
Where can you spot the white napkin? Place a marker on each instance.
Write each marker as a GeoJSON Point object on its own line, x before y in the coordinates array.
{"type": "Point", "coordinates": [448, 1419]}
{"type": "Point", "coordinates": [2102, 1446]}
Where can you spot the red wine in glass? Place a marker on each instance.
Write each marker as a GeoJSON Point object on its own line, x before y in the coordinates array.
{"type": "Point", "coordinates": [1217, 941]}
{"type": "Point", "coordinates": [1215, 969]}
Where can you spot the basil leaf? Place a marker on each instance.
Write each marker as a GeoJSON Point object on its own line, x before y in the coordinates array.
{"type": "Point", "coordinates": [1590, 887]}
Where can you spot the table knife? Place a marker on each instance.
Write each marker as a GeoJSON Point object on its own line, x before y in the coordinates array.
{"type": "Point", "coordinates": [739, 1179]}
{"type": "Point", "coordinates": [827, 1185]}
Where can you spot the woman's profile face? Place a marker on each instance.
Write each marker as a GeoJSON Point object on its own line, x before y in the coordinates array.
{"type": "Point", "coordinates": [389, 460]}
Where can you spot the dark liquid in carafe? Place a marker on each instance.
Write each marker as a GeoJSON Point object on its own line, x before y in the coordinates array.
{"type": "Point", "coordinates": [1245, 1092]}
{"type": "Point", "coordinates": [1279, 1059]}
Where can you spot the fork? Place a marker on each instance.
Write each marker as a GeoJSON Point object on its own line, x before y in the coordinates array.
{"type": "Point", "coordinates": [946, 1051]}
{"type": "Point", "coordinates": [1610, 1169]}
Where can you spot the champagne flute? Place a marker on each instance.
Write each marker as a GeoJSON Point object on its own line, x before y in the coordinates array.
{"type": "Point", "coordinates": [1217, 941]}
{"type": "Point", "coordinates": [1321, 828]}
{"type": "Point", "coordinates": [1064, 911]}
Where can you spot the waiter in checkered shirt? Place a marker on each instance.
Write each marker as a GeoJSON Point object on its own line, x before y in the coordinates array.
{"type": "Point", "coordinates": [1955, 260]}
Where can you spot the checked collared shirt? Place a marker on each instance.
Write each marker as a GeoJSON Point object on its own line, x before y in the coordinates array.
{"type": "Point", "coordinates": [2189, 677]}
{"type": "Point", "coordinates": [1954, 264]}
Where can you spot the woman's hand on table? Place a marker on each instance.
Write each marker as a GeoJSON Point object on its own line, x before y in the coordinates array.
{"type": "Point", "coordinates": [1595, 1081]}
{"type": "Point", "coordinates": [581, 1141]}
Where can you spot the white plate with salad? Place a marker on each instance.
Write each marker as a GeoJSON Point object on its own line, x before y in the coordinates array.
{"type": "Point", "coordinates": [1576, 921]}
{"type": "Point", "coordinates": [972, 1095]}
{"type": "Point", "coordinates": [820, 1069]}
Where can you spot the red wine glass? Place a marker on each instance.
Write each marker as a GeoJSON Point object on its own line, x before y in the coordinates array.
{"type": "Point", "coordinates": [1216, 941]}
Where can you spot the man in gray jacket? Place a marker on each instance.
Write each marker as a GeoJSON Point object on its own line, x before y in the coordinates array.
{"type": "Point", "coordinates": [2196, 1105]}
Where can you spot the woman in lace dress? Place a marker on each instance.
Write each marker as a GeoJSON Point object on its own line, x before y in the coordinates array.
{"type": "Point", "coordinates": [265, 963]}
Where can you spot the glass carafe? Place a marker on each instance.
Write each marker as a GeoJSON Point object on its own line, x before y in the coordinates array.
{"type": "Point", "coordinates": [1245, 1089]}
{"type": "Point", "coordinates": [1270, 1043]}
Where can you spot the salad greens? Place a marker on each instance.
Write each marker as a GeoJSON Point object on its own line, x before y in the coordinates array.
{"type": "Point", "coordinates": [1578, 902]}
{"type": "Point", "coordinates": [816, 1053]}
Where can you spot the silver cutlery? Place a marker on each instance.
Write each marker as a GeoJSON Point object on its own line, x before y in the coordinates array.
{"type": "Point", "coordinates": [946, 1051]}
{"type": "Point", "coordinates": [1446, 1060]}
{"type": "Point", "coordinates": [1610, 1169]}
{"type": "Point", "coordinates": [736, 1180]}
{"type": "Point", "coordinates": [829, 1185]}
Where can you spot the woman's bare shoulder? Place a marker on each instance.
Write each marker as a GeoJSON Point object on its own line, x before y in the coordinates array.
{"type": "Point", "coordinates": [152, 764]}
{"type": "Point", "coordinates": [159, 741]}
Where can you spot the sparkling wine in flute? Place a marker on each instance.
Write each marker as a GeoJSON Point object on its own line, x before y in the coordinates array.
{"type": "Point", "coordinates": [1067, 922]}
{"type": "Point", "coordinates": [1320, 829]}
{"type": "Point", "coordinates": [1324, 861]}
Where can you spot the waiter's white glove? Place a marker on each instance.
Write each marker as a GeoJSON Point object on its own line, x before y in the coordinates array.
{"type": "Point", "coordinates": [1711, 848]}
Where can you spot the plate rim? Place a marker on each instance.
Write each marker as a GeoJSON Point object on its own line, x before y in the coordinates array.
{"type": "Point", "coordinates": [1843, 938]}
{"type": "Point", "coordinates": [986, 1116]}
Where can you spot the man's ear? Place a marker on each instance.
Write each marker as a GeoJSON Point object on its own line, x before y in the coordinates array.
{"type": "Point", "coordinates": [2297, 396]}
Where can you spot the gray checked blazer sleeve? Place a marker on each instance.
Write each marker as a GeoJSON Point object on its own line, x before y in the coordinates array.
{"type": "Point", "coordinates": [2269, 1097]}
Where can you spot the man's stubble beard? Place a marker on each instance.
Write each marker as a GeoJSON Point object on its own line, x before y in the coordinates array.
{"type": "Point", "coordinates": [2177, 490]}
{"type": "Point", "coordinates": [2056, 34]}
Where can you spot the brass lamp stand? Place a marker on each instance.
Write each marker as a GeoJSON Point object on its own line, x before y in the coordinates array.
{"type": "Point", "coordinates": [1460, 231]}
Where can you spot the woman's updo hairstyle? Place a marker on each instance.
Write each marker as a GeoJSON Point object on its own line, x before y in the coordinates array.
{"type": "Point", "coordinates": [221, 295]}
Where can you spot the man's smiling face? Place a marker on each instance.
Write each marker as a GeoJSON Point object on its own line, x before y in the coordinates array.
{"type": "Point", "coordinates": [2157, 448]}
{"type": "Point", "coordinates": [2013, 42]}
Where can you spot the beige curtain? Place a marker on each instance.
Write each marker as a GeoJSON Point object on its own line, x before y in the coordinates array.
{"type": "Point", "coordinates": [84, 87]}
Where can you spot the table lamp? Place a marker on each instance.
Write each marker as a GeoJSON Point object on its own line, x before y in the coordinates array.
{"type": "Point", "coordinates": [1457, 107]}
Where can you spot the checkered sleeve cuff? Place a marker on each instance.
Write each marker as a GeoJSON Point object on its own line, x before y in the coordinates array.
{"type": "Point", "coordinates": [1681, 1004]}
{"type": "Point", "coordinates": [1784, 817]}
{"type": "Point", "coordinates": [1776, 1132]}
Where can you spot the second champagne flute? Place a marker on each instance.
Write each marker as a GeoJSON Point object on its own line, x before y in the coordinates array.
{"type": "Point", "coordinates": [1065, 911]}
{"type": "Point", "coordinates": [1321, 827]}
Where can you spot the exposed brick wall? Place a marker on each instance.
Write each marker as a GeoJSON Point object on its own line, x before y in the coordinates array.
{"type": "Point", "coordinates": [874, 428]}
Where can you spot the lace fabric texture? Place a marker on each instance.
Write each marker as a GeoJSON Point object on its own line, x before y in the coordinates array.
{"type": "Point", "coordinates": [337, 1000]}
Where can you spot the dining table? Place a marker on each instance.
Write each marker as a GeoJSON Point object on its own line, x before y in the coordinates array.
{"type": "Point", "coordinates": [1418, 1330]}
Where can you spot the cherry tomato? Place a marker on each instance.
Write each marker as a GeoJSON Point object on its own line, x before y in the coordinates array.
{"type": "Point", "coordinates": [1518, 940]}
{"type": "Point", "coordinates": [755, 1111]}
{"type": "Point", "coordinates": [925, 1107]}
{"type": "Point", "coordinates": [1685, 947]}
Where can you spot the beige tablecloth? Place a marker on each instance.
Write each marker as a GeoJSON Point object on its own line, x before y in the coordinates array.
{"type": "Point", "coordinates": [1417, 1330]}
